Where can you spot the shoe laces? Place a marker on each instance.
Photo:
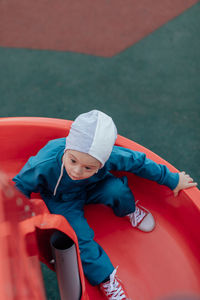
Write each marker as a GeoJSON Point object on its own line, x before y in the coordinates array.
{"type": "Point", "coordinates": [113, 289]}
{"type": "Point", "coordinates": [137, 216]}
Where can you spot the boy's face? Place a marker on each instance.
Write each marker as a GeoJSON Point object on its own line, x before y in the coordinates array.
{"type": "Point", "coordinates": [79, 165]}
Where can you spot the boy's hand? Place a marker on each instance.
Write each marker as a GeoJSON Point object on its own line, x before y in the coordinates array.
{"type": "Point", "coordinates": [185, 181]}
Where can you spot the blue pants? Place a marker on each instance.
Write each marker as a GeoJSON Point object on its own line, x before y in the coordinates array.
{"type": "Point", "coordinates": [111, 191]}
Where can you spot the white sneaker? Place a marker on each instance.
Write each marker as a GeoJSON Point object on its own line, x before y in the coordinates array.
{"type": "Point", "coordinates": [142, 219]}
{"type": "Point", "coordinates": [113, 289]}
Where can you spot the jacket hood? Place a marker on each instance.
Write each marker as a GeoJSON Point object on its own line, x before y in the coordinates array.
{"type": "Point", "coordinates": [93, 133]}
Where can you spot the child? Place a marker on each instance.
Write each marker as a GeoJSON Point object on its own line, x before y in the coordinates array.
{"type": "Point", "coordinates": [74, 171]}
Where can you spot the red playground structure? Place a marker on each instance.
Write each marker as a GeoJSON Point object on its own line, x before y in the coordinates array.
{"type": "Point", "coordinates": [155, 266]}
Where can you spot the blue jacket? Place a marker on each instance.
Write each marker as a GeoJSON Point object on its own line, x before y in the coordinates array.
{"type": "Point", "coordinates": [41, 172]}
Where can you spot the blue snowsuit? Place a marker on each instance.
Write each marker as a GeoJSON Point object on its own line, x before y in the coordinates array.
{"type": "Point", "coordinates": [41, 173]}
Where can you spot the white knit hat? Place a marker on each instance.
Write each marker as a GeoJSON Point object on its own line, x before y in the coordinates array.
{"type": "Point", "coordinates": [93, 133]}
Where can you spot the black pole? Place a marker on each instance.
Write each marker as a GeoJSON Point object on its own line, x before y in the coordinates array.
{"type": "Point", "coordinates": [66, 266]}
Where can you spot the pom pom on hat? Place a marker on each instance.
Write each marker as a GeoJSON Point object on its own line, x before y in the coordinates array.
{"type": "Point", "coordinates": [93, 133]}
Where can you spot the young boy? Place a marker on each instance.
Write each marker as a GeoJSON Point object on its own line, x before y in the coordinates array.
{"type": "Point", "coordinates": [74, 171]}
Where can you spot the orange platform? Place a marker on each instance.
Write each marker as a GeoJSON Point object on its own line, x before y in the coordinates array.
{"type": "Point", "coordinates": [102, 28]}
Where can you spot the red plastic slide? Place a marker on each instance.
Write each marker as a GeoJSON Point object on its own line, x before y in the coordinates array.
{"type": "Point", "coordinates": [153, 266]}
